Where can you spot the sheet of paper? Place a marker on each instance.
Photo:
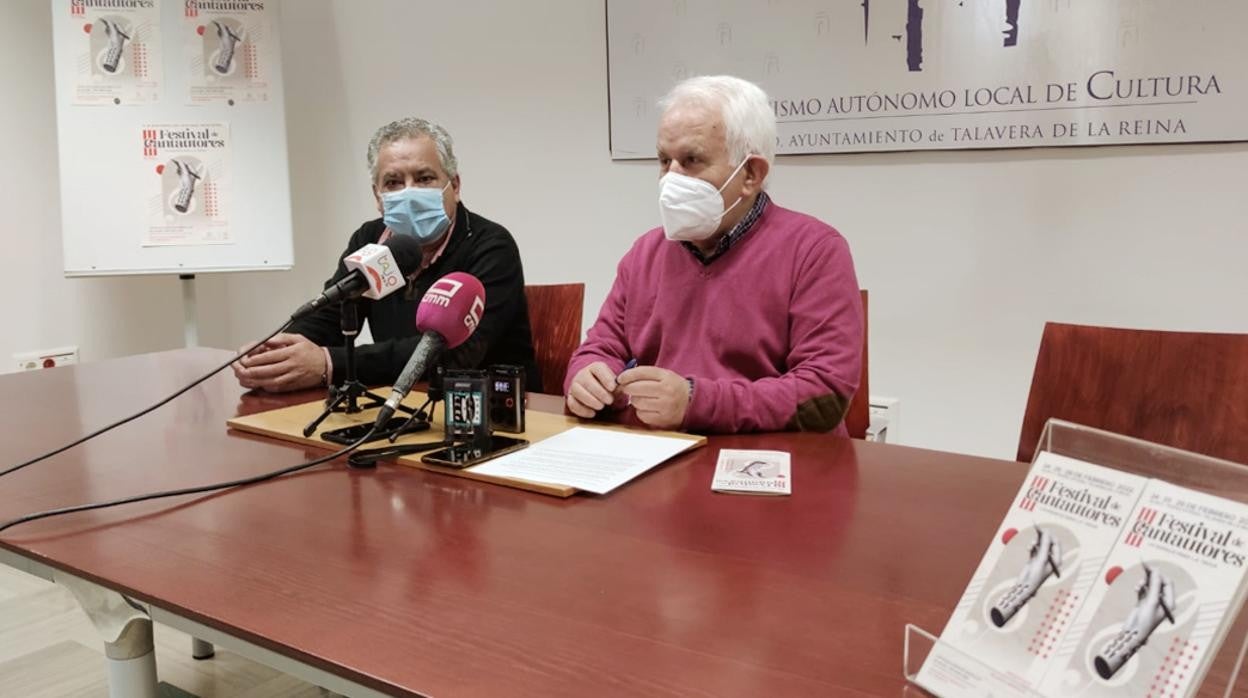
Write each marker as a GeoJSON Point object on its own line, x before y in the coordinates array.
{"type": "Point", "coordinates": [186, 174]}
{"type": "Point", "coordinates": [117, 54]}
{"type": "Point", "coordinates": [1034, 577]}
{"type": "Point", "coordinates": [594, 460]}
{"type": "Point", "coordinates": [230, 50]}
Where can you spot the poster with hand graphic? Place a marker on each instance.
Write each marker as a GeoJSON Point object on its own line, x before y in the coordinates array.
{"type": "Point", "coordinates": [1163, 601]}
{"type": "Point", "coordinates": [117, 59]}
{"type": "Point", "coordinates": [230, 50]}
{"type": "Point", "coordinates": [1032, 580]}
{"type": "Point", "coordinates": [187, 170]}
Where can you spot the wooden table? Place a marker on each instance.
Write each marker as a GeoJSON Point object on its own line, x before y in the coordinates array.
{"type": "Point", "coordinates": [407, 582]}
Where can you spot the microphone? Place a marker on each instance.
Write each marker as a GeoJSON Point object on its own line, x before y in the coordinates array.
{"type": "Point", "coordinates": [447, 316]}
{"type": "Point", "coordinates": [376, 272]}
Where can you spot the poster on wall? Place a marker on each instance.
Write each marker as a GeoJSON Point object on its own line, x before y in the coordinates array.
{"type": "Point", "coordinates": [879, 75]}
{"type": "Point", "coordinates": [117, 50]}
{"type": "Point", "coordinates": [186, 170]}
{"type": "Point", "coordinates": [230, 53]}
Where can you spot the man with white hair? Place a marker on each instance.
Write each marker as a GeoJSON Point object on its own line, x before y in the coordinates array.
{"type": "Point", "coordinates": [735, 315]}
{"type": "Point", "coordinates": [416, 185]}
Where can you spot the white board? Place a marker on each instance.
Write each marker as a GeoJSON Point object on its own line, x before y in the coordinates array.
{"type": "Point", "coordinates": [122, 136]}
{"type": "Point", "coordinates": [876, 75]}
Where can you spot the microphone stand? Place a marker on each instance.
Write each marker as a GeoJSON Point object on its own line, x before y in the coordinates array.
{"type": "Point", "coordinates": [351, 389]}
{"type": "Point", "coordinates": [367, 458]}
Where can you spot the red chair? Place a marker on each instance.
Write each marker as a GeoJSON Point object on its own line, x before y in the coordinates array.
{"type": "Point", "coordinates": [858, 417]}
{"type": "Point", "coordinates": [555, 320]}
{"type": "Point", "coordinates": [1182, 389]}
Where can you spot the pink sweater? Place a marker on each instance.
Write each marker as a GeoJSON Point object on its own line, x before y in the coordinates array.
{"type": "Point", "coordinates": [770, 332]}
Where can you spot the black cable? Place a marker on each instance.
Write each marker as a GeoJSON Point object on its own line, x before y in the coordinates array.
{"type": "Point", "coordinates": [144, 411]}
{"type": "Point", "coordinates": [187, 490]}
{"type": "Point", "coordinates": [369, 456]}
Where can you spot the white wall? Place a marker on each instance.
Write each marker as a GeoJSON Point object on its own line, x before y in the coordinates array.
{"type": "Point", "coordinates": [43, 309]}
{"type": "Point", "coordinates": [966, 253]}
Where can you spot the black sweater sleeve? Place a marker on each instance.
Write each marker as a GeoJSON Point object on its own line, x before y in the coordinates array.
{"type": "Point", "coordinates": [496, 263]}
{"type": "Point", "coordinates": [378, 363]}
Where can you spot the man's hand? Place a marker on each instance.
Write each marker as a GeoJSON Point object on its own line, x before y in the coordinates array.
{"type": "Point", "coordinates": [592, 389]}
{"type": "Point", "coordinates": [285, 362]}
{"type": "Point", "coordinates": [659, 396]}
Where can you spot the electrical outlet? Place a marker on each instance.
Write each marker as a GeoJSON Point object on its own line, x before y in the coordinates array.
{"type": "Point", "coordinates": [885, 417]}
{"type": "Point", "coordinates": [46, 358]}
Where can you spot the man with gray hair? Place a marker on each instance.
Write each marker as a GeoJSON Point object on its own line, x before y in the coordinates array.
{"type": "Point", "coordinates": [416, 185]}
{"type": "Point", "coordinates": [736, 314]}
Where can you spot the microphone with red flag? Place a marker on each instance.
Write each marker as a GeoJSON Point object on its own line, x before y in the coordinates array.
{"type": "Point", "coordinates": [447, 316]}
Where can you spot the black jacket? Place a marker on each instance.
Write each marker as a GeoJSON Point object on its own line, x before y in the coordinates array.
{"type": "Point", "coordinates": [477, 246]}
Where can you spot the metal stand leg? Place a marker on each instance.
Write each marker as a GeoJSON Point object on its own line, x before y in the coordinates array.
{"type": "Point", "coordinates": [201, 649]}
{"type": "Point", "coordinates": [190, 333]}
{"type": "Point", "coordinates": [132, 662]}
{"type": "Point", "coordinates": [127, 633]}
{"type": "Point", "coordinates": [190, 326]}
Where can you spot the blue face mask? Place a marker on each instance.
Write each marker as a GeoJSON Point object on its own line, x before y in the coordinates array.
{"type": "Point", "coordinates": [417, 212]}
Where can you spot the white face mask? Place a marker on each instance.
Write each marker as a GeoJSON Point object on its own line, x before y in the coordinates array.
{"type": "Point", "coordinates": [691, 208]}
